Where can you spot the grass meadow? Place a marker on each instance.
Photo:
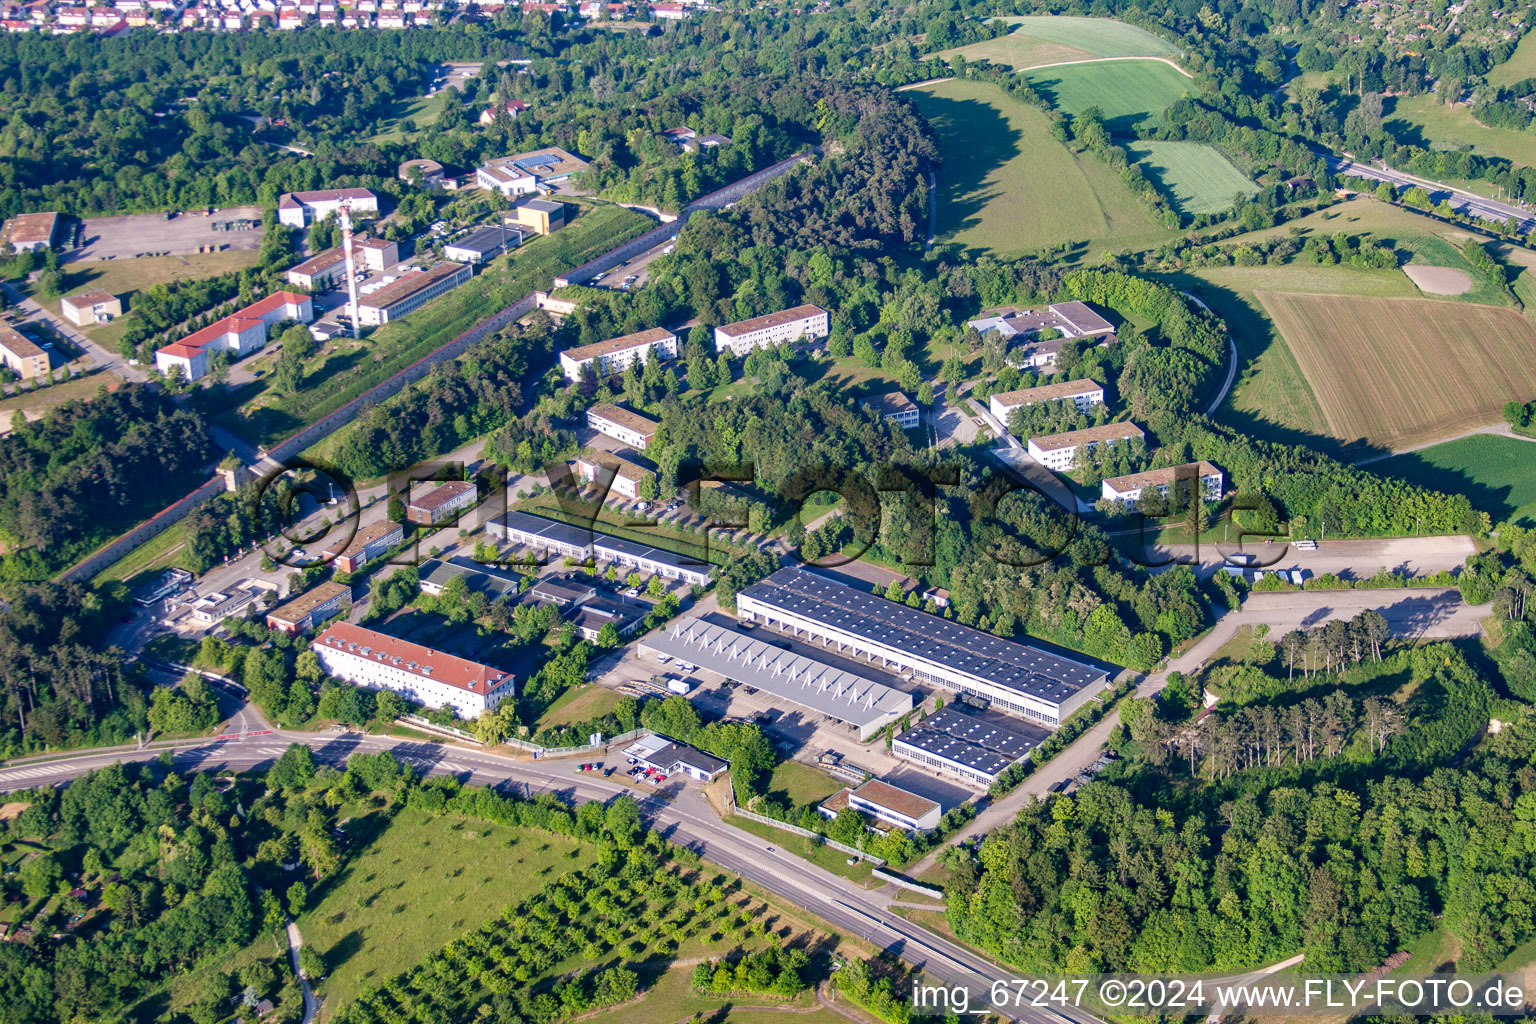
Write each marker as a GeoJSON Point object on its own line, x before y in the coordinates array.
{"type": "Point", "coordinates": [1366, 360]}
{"type": "Point", "coordinates": [420, 882]}
{"type": "Point", "coordinates": [1194, 176]}
{"type": "Point", "coordinates": [1496, 473]}
{"type": "Point", "coordinates": [1129, 92]}
{"type": "Point", "coordinates": [1102, 37]}
{"type": "Point", "coordinates": [1017, 188]}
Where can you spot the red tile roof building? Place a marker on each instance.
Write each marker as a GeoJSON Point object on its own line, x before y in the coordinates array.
{"type": "Point", "coordinates": [429, 677]}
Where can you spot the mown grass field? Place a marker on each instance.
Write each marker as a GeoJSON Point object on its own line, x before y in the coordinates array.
{"type": "Point", "coordinates": [1194, 176]}
{"type": "Point", "coordinates": [1496, 473]}
{"type": "Point", "coordinates": [1103, 37]}
{"type": "Point", "coordinates": [1425, 121]}
{"type": "Point", "coordinates": [420, 882]}
{"type": "Point", "coordinates": [1018, 51]}
{"type": "Point", "coordinates": [1368, 361]}
{"type": "Point", "coordinates": [1018, 189]}
{"type": "Point", "coordinates": [345, 369]}
{"type": "Point", "coordinates": [1129, 92]}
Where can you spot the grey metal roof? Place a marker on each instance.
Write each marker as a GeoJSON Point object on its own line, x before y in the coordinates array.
{"type": "Point", "coordinates": [547, 529]}
{"type": "Point", "coordinates": [618, 545]}
{"type": "Point", "coordinates": [487, 579]}
{"type": "Point", "coordinates": [482, 241]}
{"type": "Point", "coordinates": [1003, 663]}
{"type": "Point", "coordinates": [793, 677]}
{"type": "Point", "coordinates": [984, 741]}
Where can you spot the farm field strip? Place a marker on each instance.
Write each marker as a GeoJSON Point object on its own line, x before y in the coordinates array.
{"type": "Point", "coordinates": [1196, 177]}
{"type": "Point", "coordinates": [1103, 36]}
{"type": "Point", "coordinates": [1126, 91]}
{"type": "Point", "coordinates": [1496, 473]}
{"type": "Point", "coordinates": [1368, 361]}
{"type": "Point", "coordinates": [1021, 189]}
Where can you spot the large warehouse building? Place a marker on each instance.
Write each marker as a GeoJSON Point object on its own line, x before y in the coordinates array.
{"type": "Point", "coordinates": [862, 703]}
{"type": "Point", "coordinates": [565, 541]}
{"type": "Point", "coordinates": [1025, 680]}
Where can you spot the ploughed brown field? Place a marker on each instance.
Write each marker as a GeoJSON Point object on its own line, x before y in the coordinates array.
{"type": "Point", "coordinates": [1400, 372]}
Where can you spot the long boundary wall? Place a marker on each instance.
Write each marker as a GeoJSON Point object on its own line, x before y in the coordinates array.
{"type": "Point", "coordinates": [290, 446]}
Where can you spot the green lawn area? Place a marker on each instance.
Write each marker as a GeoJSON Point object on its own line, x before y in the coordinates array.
{"type": "Point", "coordinates": [672, 998]}
{"type": "Point", "coordinates": [124, 277]}
{"type": "Point", "coordinates": [1018, 50]}
{"type": "Point", "coordinates": [345, 369]}
{"type": "Point", "coordinates": [162, 551]}
{"type": "Point", "coordinates": [36, 403]}
{"type": "Point", "coordinates": [1103, 37]}
{"type": "Point", "coordinates": [1019, 189]}
{"type": "Point", "coordinates": [1196, 177]}
{"type": "Point", "coordinates": [421, 109]}
{"type": "Point", "coordinates": [419, 883]}
{"type": "Point", "coordinates": [579, 704]}
{"type": "Point", "coordinates": [801, 783]}
{"type": "Point", "coordinates": [1497, 474]}
{"type": "Point", "coordinates": [1127, 91]}
{"type": "Point", "coordinates": [1425, 121]}
{"type": "Point", "coordinates": [835, 861]}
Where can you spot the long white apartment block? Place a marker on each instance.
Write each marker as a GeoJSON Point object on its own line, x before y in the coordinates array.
{"type": "Point", "coordinates": [1057, 451]}
{"type": "Point", "coordinates": [1084, 394]}
{"type": "Point", "coordinates": [618, 354]}
{"type": "Point", "coordinates": [773, 329]}
{"type": "Point", "coordinates": [428, 677]}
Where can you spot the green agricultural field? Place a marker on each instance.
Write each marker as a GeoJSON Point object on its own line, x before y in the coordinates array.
{"type": "Point", "coordinates": [1497, 474]}
{"type": "Point", "coordinates": [419, 883]}
{"type": "Point", "coordinates": [1103, 37]}
{"type": "Point", "coordinates": [1128, 92]}
{"type": "Point", "coordinates": [1017, 188]}
{"type": "Point", "coordinates": [1196, 177]}
{"type": "Point", "coordinates": [1521, 64]}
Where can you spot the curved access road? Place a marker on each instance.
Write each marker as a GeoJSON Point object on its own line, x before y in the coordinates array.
{"type": "Point", "coordinates": [680, 812]}
{"type": "Point", "coordinates": [1101, 60]}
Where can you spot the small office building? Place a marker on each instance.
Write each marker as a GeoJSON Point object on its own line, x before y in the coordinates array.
{"type": "Point", "coordinates": [94, 307]}
{"type": "Point", "coordinates": [368, 543]}
{"type": "Point", "coordinates": [310, 608]}
{"type": "Point", "coordinates": [442, 503]}
{"type": "Point", "coordinates": [661, 754]}
{"type": "Point", "coordinates": [890, 806]}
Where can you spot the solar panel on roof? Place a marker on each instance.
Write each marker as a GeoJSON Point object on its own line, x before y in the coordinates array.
{"type": "Point", "coordinates": [1001, 662]}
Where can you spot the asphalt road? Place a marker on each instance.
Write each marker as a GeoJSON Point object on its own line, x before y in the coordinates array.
{"type": "Point", "coordinates": [1461, 201]}
{"type": "Point", "coordinates": [680, 813]}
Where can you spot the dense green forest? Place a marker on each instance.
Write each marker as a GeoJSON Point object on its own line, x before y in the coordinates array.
{"type": "Point", "coordinates": [91, 468]}
{"type": "Point", "coordinates": [1344, 840]}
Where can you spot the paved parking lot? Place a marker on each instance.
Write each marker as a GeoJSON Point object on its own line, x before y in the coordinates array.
{"type": "Point", "coordinates": [142, 234]}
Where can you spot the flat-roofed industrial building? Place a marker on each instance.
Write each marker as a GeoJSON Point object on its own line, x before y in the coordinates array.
{"type": "Point", "coordinates": [968, 743]}
{"type": "Point", "coordinates": [1026, 680]}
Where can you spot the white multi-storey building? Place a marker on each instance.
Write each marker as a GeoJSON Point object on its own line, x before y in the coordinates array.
{"type": "Point", "coordinates": [630, 427]}
{"type": "Point", "coordinates": [617, 354]}
{"type": "Point", "coordinates": [299, 209]}
{"type": "Point", "coordinates": [773, 329]}
{"type": "Point", "coordinates": [1056, 451]}
{"type": "Point", "coordinates": [896, 407]}
{"type": "Point", "coordinates": [432, 678]}
{"type": "Point", "coordinates": [1126, 489]}
{"type": "Point", "coordinates": [1084, 394]}
{"type": "Point", "coordinates": [240, 333]}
